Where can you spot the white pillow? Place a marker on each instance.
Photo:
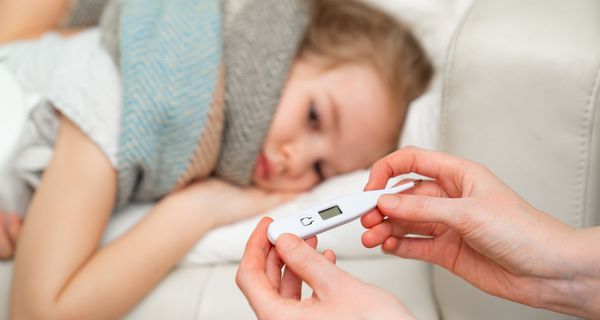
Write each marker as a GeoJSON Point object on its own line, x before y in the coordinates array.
{"type": "Point", "coordinates": [227, 243]}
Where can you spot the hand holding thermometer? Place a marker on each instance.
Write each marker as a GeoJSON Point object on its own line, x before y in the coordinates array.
{"type": "Point", "coordinates": [331, 214]}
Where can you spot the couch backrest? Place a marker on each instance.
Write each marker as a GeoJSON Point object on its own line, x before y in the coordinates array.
{"type": "Point", "coordinates": [521, 96]}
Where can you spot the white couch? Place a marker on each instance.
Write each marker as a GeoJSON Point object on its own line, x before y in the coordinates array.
{"type": "Point", "coordinates": [521, 93]}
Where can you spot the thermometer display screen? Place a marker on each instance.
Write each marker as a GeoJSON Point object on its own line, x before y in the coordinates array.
{"type": "Point", "coordinates": [330, 213]}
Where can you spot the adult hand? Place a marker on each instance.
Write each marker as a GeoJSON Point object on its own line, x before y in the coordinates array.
{"type": "Point", "coordinates": [481, 231]}
{"type": "Point", "coordinates": [336, 294]}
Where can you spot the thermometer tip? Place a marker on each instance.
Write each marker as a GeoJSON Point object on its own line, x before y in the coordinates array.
{"type": "Point", "coordinates": [416, 182]}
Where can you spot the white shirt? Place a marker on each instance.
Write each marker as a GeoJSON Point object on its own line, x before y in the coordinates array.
{"type": "Point", "coordinates": [74, 76]}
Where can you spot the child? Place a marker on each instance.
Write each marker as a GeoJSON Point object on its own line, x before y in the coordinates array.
{"type": "Point", "coordinates": [341, 107]}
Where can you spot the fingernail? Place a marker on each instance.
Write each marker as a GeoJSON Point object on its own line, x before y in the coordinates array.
{"type": "Point", "coordinates": [287, 242]}
{"type": "Point", "coordinates": [389, 202]}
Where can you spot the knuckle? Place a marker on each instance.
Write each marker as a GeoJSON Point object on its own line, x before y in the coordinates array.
{"type": "Point", "coordinates": [273, 312]}
{"type": "Point", "coordinates": [303, 260]}
{"type": "Point", "coordinates": [243, 275]}
{"type": "Point", "coordinates": [462, 216]}
{"type": "Point", "coordinates": [475, 167]}
{"type": "Point", "coordinates": [485, 171]}
{"type": "Point", "coordinates": [379, 166]}
{"type": "Point", "coordinates": [421, 204]}
{"type": "Point", "coordinates": [466, 166]}
{"type": "Point", "coordinates": [239, 281]}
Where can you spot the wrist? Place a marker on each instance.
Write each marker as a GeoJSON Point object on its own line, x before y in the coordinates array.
{"type": "Point", "coordinates": [577, 291]}
{"type": "Point", "coordinates": [189, 204]}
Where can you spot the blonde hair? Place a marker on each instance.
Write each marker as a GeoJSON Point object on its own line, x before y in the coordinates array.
{"type": "Point", "coordinates": [350, 31]}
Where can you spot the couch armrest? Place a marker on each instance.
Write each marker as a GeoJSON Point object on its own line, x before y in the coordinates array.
{"type": "Point", "coordinates": [522, 97]}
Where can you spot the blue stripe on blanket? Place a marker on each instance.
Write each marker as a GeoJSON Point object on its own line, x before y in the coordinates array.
{"type": "Point", "coordinates": [170, 56]}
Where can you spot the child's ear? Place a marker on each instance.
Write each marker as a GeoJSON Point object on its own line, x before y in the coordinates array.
{"type": "Point", "coordinates": [420, 73]}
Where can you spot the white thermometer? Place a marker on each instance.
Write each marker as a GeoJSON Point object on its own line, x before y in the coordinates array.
{"type": "Point", "coordinates": [331, 214]}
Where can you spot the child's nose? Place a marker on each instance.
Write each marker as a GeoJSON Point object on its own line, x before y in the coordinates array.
{"type": "Point", "coordinates": [299, 157]}
{"type": "Point", "coordinates": [287, 151]}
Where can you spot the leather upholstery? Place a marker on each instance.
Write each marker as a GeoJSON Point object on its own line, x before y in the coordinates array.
{"type": "Point", "coordinates": [210, 292]}
{"type": "Point", "coordinates": [521, 96]}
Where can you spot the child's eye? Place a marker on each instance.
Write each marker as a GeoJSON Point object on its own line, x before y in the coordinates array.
{"type": "Point", "coordinates": [318, 169]}
{"type": "Point", "coordinates": [313, 116]}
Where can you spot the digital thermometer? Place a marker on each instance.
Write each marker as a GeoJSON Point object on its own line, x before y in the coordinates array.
{"type": "Point", "coordinates": [331, 214]}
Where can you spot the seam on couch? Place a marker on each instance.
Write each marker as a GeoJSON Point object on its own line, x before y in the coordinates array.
{"type": "Point", "coordinates": [447, 77]}
{"type": "Point", "coordinates": [432, 288]}
{"type": "Point", "coordinates": [448, 71]}
{"type": "Point", "coordinates": [201, 292]}
{"type": "Point", "coordinates": [586, 153]}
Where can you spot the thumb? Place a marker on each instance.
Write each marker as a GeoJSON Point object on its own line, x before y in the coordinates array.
{"type": "Point", "coordinates": [452, 212]}
{"type": "Point", "coordinates": [315, 269]}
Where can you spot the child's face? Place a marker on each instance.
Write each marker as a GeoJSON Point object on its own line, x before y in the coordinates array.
{"type": "Point", "coordinates": [327, 122]}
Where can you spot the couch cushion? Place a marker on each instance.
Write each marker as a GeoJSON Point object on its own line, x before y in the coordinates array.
{"type": "Point", "coordinates": [211, 293]}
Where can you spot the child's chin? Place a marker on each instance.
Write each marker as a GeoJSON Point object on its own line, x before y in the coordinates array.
{"type": "Point", "coordinates": [259, 183]}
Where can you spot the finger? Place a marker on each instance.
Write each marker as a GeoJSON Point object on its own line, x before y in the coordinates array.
{"type": "Point", "coordinates": [273, 268]}
{"type": "Point", "coordinates": [436, 165]}
{"type": "Point", "coordinates": [312, 242]}
{"type": "Point", "coordinates": [393, 228]}
{"type": "Point", "coordinates": [441, 252]}
{"type": "Point", "coordinates": [291, 284]}
{"type": "Point", "coordinates": [309, 265]}
{"type": "Point", "coordinates": [6, 247]}
{"type": "Point", "coordinates": [14, 228]}
{"type": "Point", "coordinates": [372, 218]}
{"type": "Point", "coordinates": [429, 188]}
{"type": "Point", "coordinates": [251, 277]}
{"type": "Point", "coordinates": [274, 265]}
{"type": "Point", "coordinates": [413, 248]}
{"type": "Point", "coordinates": [423, 209]}
{"type": "Point", "coordinates": [258, 245]}
{"type": "Point", "coordinates": [375, 217]}
{"type": "Point", "coordinates": [329, 255]}
{"type": "Point", "coordinates": [377, 234]}
{"type": "Point", "coordinates": [425, 188]}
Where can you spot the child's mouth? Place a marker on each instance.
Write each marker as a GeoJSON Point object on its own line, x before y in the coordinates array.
{"type": "Point", "coordinates": [263, 167]}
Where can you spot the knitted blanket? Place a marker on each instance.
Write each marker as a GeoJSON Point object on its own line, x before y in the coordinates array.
{"type": "Point", "coordinates": [201, 80]}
